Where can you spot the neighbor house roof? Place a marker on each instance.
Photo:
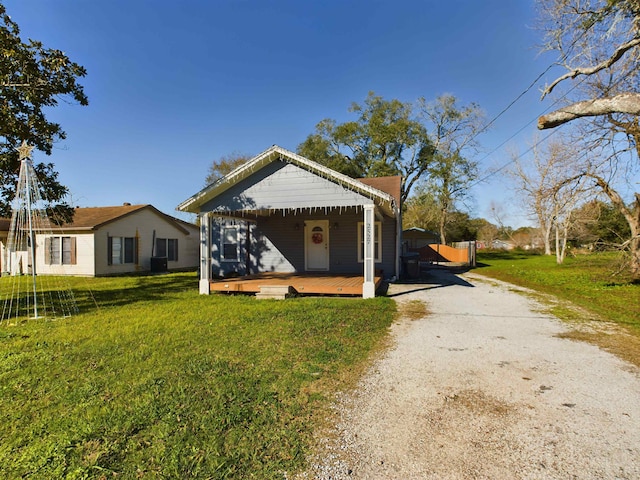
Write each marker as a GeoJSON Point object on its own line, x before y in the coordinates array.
{"type": "Point", "coordinates": [92, 218]}
{"type": "Point", "coordinates": [384, 191]}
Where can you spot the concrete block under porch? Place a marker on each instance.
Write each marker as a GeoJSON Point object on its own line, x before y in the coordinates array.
{"type": "Point", "coordinates": [302, 283]}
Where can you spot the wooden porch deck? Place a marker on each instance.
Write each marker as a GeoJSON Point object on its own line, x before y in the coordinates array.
{"type": "Point", "coordinates": [307, 283]}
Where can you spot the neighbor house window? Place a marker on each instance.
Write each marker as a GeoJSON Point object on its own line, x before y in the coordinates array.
{"type": "Point", "coordinates": [122, 250]}
{"type": "Point", "coordinates": [167, 247]}
{"type": "Point", "coordinates": [230, 244]}
{"type": "Point", "coordinates": [377, 242]}
{"type": "Point", "coordinates": [60, 251]}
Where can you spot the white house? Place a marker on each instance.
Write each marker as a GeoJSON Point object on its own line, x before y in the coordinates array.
{"type": "Point", "coordinates": [114, 240]}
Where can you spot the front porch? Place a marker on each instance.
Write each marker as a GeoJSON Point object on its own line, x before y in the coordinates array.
{"type": "Point", "coordinates": [304, 284]}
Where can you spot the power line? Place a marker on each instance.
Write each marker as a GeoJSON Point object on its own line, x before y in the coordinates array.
{"type": "Point", "coordinates": [504, 110]}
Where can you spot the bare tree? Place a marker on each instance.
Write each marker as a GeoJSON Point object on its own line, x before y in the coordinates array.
{"type": "Point", "coordinates": [598, 42]}
{"type": "Point", "coordinates": [532, 185]}
{"type": "Point", "coordinates": [550, 190]}
{"type": "Point", "coordinates": [594, 39]}
{"type": "Point", "coordinates": [567, 196]}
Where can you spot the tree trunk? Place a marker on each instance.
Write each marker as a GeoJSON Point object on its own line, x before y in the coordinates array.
{"type": "Point", "coordinates": [558, 248]}
{"type": "Point", "coordinates": [561, 244]}
{"type": "Point", "coordinates": [565, 234]}
{"type": "Point", "coordinates": [634, 243]}
{"type": "Point", "coordinates": [632, 215]}
{"type": "Point", "coordinates": [546, 236]}
{"type": "Point", "coordinates": [443, 221]}
{"type": "Point", "coordinates": [635, 258]}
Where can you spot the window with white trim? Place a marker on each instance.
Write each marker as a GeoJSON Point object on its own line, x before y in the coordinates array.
{"type": "Point", "coordinates": [377, 242]}
{"type": "Point", "coordinates": [229, 247]}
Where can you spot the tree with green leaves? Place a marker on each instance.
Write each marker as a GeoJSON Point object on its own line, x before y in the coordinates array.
{"type": "Point", "coordinates": [385, 139]}
{"type": "Point", "coordinates": [453, 130]}
{"type": "Point", "coordinates": [32, 79]}
{"type": "Point", "coordinates": [225, 165]}
{"type": "Point", "coordinates": [600, 225]}
{"type": "Point", "coordinates": [421, 210]}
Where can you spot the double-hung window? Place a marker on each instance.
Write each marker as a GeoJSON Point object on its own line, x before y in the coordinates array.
{"type": "Point", "coordinates": [122, 250]}
{"type": "Point", "coordinates": [377, 242]}
{"type": "Point", "coordinates": [229, 245]}
{"type": "Point", "coordinates": [60, 251]}
{"type": "Point", "coordinates": [167, 247]}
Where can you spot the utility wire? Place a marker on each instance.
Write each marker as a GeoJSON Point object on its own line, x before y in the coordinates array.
{"type": "Point", "coordinates": [513, 102]}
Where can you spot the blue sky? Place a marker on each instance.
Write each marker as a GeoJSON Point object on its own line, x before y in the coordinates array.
{"type": "Point", "coordinates": [174, 86]}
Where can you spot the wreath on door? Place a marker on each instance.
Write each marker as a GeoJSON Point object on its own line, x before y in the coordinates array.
{"type": "Point", "coordinates": [316, 238]}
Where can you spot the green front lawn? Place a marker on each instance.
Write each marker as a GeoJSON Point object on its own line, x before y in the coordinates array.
{"type": "Point", "coordinates": [593, 281]}
{"type": "Point", "coordinates": [160, 382]}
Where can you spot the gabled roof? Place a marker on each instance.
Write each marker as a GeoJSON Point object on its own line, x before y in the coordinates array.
{"type": "Point", "coordinates": [92, 218]}
{"type": "Point", "coordinates": [383, 191]}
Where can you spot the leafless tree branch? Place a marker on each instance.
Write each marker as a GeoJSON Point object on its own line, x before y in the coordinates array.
{"type": "Point", "coordinates": [623, 103]}
{"type": "Point", "coordinates": [619, 52]}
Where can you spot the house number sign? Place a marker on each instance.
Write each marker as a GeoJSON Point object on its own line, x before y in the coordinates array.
{"type": "Point", "coordinates": [368, 234]}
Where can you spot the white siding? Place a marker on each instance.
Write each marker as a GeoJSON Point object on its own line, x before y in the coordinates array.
{"type": "Point", "coordinates": [84, 266]}
{"type": "Point", "coordinates": [141, 225]}
{"type": "Point", "coordinates": [91, 252]}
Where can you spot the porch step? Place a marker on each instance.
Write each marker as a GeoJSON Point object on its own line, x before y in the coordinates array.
{"type": "Point", "coordinates": [278, 292]}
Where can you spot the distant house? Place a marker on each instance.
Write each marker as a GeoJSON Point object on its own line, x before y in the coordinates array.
{"type": "Point", "coordinates": [502, 245]}
{"type": "Point", "coordinates": [113, 240]}
{"type": "Point", "coordinates": [281, 212]}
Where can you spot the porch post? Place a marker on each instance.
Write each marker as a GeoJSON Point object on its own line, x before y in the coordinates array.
{"type": "Point", "coordinates": [399, 251]}
{"type": "Point", "coordinates": [369, 285]}
{"type": "Point", "coordinates": [205, 253]}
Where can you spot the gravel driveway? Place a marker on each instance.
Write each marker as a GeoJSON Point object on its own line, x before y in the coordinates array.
{"type": "Point", "coordinates": [482, 388]}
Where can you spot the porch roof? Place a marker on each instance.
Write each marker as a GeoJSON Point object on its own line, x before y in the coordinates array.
{"type": "Point", "coordinates": [381, 191]}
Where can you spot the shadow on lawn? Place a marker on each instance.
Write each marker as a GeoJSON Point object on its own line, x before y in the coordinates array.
{"type": "Point", "coordinates": [143, 288]}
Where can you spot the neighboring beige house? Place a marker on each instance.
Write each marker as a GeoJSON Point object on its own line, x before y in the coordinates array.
{"type": "Point", "coordinates": [116, 240]}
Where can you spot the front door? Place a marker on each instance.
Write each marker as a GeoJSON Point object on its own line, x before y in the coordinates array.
{"type": "Point", "coordinates": [316, 244]}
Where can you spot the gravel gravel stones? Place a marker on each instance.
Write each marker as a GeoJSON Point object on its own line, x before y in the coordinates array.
{"type": "Point", "coordinates": [482, 387]}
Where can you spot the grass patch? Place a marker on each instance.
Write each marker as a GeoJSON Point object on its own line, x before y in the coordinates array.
{"type": "Point", "coordinates": [591, 282]}
{"type": "Point", "coordinates": [161, 382]}
{"type": "Point", "coordinates": [413, 309]}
